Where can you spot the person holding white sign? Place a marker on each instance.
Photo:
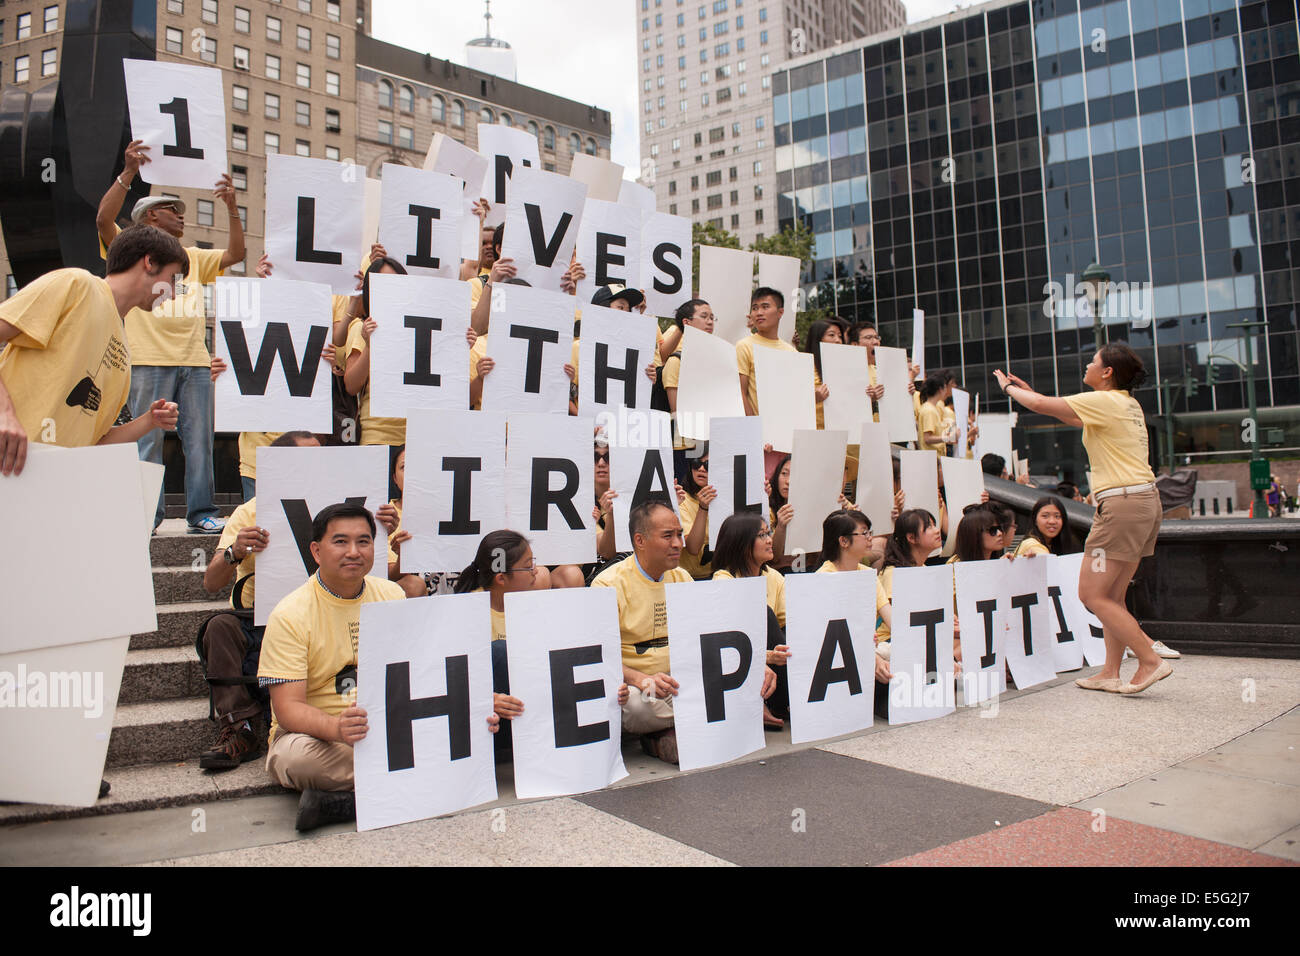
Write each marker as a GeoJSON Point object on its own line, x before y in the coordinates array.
{"type": "Point", "coordinates": [169, 357]}
{"type": "Point", "coordinates": [697, 314]}
{"type": "Point", "coordinates": [64, 375]}
{"type": "Point", "coordinates": [846, 541]}
{"type": "Point", "coordinates": [356, 374]}
{"type": "Point", "coordinates": [694, 510]}
{"type": "Point", "coordinates": [931, 426]}
{"type": "Point", "coordinates": [1128, 508]}
{"type": "Point", "coordinates": [915, 537]}
{"type": "Point", "coordinates": [766, 306]}
{"type": "Point", "coordinates": [823, 330]}
{"type": "Point", "coordinates": [1048, 531]}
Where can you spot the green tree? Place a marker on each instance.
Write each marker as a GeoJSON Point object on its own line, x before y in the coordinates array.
{"type": "Point", "coordinates": [708, 235]}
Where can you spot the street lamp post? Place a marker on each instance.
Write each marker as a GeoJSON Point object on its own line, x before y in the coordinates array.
{"type": "Point", "coordinates": [1096, 283]}
{"type": "Point", "coordinates": [1259, 473]}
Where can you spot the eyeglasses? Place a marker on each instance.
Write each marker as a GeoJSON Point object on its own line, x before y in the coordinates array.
{"type": "Point", "coordinates": [530, 568]}
{"type": "Point", "coordinates": [765, 533]}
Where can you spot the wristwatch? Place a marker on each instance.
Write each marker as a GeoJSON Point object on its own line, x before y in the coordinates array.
{"type": "Point", "coordinates": [230, 556]}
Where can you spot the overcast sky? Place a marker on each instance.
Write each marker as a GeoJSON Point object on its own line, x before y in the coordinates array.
{"type": "Point", "coordinates": [585, 50]}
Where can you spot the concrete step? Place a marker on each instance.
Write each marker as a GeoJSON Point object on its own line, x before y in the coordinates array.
{"type": "Point", "coordinates": [178, 624]}
{"type": "Point", "coordinates": [155, 785]}
{"type": "Point", "coordinates": [161, 673]}
{"type": "Point", "coordinates": [180, 585]}
{"type": "Point", "coordinates": [175, 550]}
{"type": "Point", "coordinates": [160, 730]}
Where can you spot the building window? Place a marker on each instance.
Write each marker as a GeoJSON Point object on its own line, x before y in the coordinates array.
{"type": "Point", "coordinates": [713, 178]}
{"type": "Point", "coordinates": [304, 6]}
{"type": "Point", "coordinates": [506, 120]}
{"type": "Point", "coordinates": [724, 94]}
{"type": "Point", "coordinates": [735, 220]}
{"type": "Point", "coordinates": [49, 62]}
{"type": "Point", "coordinates": [406, 99]}
{"type": "Point", "coordinates": [332, 152]}
{"type": "Point", "coordinates": [758, 191]}
{"type": "Point", "coordinates": [208, 49]}
{"type": "Point", "coordinates": [649, 126]}
{"type": "Point", "coordinates": [304, 76]}
{"type": "Point", "coordinates": [302, 113]}
{"type": "Point", "coordinates": [486, 115]}
{"type": "Point", "coordinates": [239, 138]}
{"type": "Point", "coordinates": [695, 183]}
{"type": "Point", "coordinates": [742, 89]}
{"type": "Point", "coordinates": [385, 95]}
{"type": "Point", "coordinates": [735, 197]}
{"type": "Point", "coordinates": [759, 122]}
{"type": "Point", "coordinates": [758, 217]}
{"type": "Point", "coordinates": [24, 26]}
{"type": "Point", "coordinates": [271, 143]}
{"type": "Point", "coordinates": [575, 144]}
{"type": "Point", "coordinates": [457, 113]}
{"type": "Point", "coordinates": [209, 11]}
{"type": "Point", "coordinates": [406, 137]}
{"type": "Point", "coordinates": [239, 176]}
{"type": "Point", "coordinates": [333, 121]}
{"type": "Point", "coordinates": [704, 99]}
{"type": "Point", "coordinates": [175, 41]}
{"type": "Point", "coordinates": [332, 46]}
{"type": "Point", "coordinates": [176, 6]}
{"type": "Point", "coordinates": [239, 98]}
{"type": "Point", "coordinates": [273, 29]}
{"type": "Point", "coordinates": [240, 58]}
{"type": "Point", "coordinates": [272, 67]}
{"type": "Point", "coordinates": [243, 218]}
{"type": "Point", "coordinates": [302, 147]}
{"type": "Point", "coordinates": [243, 20]}
{"type": "Point", "coordinates": [304, 38]}
{"type": "Point", "coordinates": [672, 209]}
{"type": "Point", "coordinates": [762, 15]}
{"type": "Point", "coordinates": [762, 38]}
{"type": "Point", "coordinates": [332, 81]}
{"type": "Point", "coordinates": [548, 166]}
{"type": "Point", "coordinates": [672, 187]}
{"type": "Point", "coordinates": [204, 209]}
{"type": "Point", "coordinates": [533, 131]}
{"type": "Point", "coordinates": [715, 201]}
{"type": "Point", "coordinates": [334, 10]}
{"type": "Point", "coordinates": [272, 106]}
{"type": "Point", "coordinates": [764, 60]}
{"type": "Point", "coordinates": [591, 146]}
{"type": "Point", "coordinates": [439, 109]}
{"type": "Point", "coordinates": [51, 19]}
{"type": "Point", "coordinates": [695, 206]}
{"type": "Point", "coordinates": [548, 138]}
{"type": "Point", "coordinates": [767, 83]}
{"type": "Point", "coordinates": [385, 131]}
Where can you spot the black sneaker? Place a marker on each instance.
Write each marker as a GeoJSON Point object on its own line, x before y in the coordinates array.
{"type": "Point", "coordinates": [236, 745]}
{"type": "Point", "coordinates": [104, 787]}
{"type": "Point", "coordinates": [319, 807]}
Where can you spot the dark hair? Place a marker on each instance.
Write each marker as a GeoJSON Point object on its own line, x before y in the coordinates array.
{"type": "Point", "coordinates": [813, 341]}
{"type": "Point", "coordinates": [291, 439]}
{"type": "Point", "coordinates": [1129, 372]}
{"type": "Point", "coordinates": [396, 452]}
{"type": "Point", "coordinates": [765, 292]}
{"type": "Point", "coordinates": [842, 523]}
{"type": "Point", "coordinates": [687, 311]}
{"type": "Point", "coordinates": [994, 465]}
{"type": "Point", "coordinates": [934, 384]}
{"type": "Point", "coordinates": [135, 242]}
{"type": "Point", "coordinates": [898, 552]}
{"type": "Point", "coordinates": [1006, 517]}
{"type": "Point", "coordinates": [736, 540]}
{"type": "Point", "coordinates": [498, 235]}
{"type": "Point", "coordinates": [375, 266]}
{"type": "Point", "coordinates": [344, 509]}
{"type": "Point", "coordinates": [775, 499]}
{"type": "Point", "coordinates": [975, 523]}
{"type": "Point", "coordinates": [1067, 490]}
{"type": "Point", "coordinates": [481, 571]}
{"type": "Point", "coordinates": [689, 484]}
{"type": "Point", "coordinates": [856, 330]}
{"type": "Point", "coordinates": [639, 519]}
{"type": "Point", "coordinates": [1063, 543]}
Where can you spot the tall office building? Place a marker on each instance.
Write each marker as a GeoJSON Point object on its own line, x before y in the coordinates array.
{"type": "Point", "coordinates": [962, 164]}
{"type": "Point", "coordinates": [705, 96]}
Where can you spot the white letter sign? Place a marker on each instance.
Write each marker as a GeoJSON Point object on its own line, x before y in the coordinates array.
{"type": "Point", "coordinates": [179, 111]}
{"type": "Point", "coordinates": [543, 217]}
{"type": "Point", "coordinates": [419, 358]}
{"type": "Point", "coordinates": [315, 213]}
{"type": "Point", "coordinates": [420, 220]}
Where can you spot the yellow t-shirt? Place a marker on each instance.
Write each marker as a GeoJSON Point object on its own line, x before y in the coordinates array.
{"type": "Point", "coordinates": [1115, 437]}
{"type": "Point", "coordinates": [245, 516]}
{"type": "Point", "coordinates": [884, 596]}
{"type": "Point", "coordinates": [1031, 545]}
{"type": "Point", "coordinates": [745, 360]}
{"type": "Point", "coordinates": [498, 625]}
{"type": "Point", "coordinates": [476, 286]}
{"type": "Point", "coordinates": [642, 613]}
{"type": "Point", "coordinates": [828, 567]}
{"type": "Point", "coordinates": [374, 431]}
{"type": "Point", "coordinates": [930, 419]}
{"type": "Point", "coordinates": [477, 351]}
{"type": "Point", "coordinates": [175, 333]}
{"type": "Point", "coordinates": [68, 370]}
{"type": "Point", "coordinates": [672, 376]}
{"type": "Point", "coordinates": [312, 637]}
{"type": "Point", "coordinates": [699, 566]}
{"type": "Point", "coordinates": [871, 380]}
{"type": "Point", "coordinates": [775, 590]}
{"type": "Point", "coordinates": [249, 443]}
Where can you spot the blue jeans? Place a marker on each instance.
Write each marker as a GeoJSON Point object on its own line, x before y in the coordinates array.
{"type": "Point", "coordinates": [190, 387]}
{"type": "Point", "coordinates": [248, 486]}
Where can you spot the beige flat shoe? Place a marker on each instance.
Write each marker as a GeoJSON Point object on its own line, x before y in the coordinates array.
{"type": "Point", "coordinates": [1160, 673]}
{"type": "Point", "coordinates": [1110, 684]}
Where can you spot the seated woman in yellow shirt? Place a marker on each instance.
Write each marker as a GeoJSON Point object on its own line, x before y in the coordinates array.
{"type": "Point", "coordinates": [744, 550]}
{"type": "Point", "coordinates": [1048, 532]}
{"type": "Point", "coordinates": [693, 510]}
{"type": "Point", "coordinates": [846, 539]}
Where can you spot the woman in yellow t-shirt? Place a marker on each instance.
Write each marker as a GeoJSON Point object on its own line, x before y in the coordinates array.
{"type": "Point", "coordinates": [930, 424]}
{"type": "Point", "coordinates": [1128, 514]}
{"type": "Point", "coordinates": [744, 551]}
{"type": "Point", "coordinates": [356, 373]}
{"type": "Point", "coordinates": [693, 509]}
{"type": "Point", "coordinates": [846, 539]}
{"type": "Point", "coordinates": [820, 332]}
{"type": "Point", "coordinates": [1048, 532]}
{"type": "Point", "coordinates": [698, 315]}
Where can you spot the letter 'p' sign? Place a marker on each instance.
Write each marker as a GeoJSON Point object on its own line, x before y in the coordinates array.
{"type": "Point", "coordinates": [179, 111]}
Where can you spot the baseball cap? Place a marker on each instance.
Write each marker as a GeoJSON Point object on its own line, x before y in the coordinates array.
{"type": "Point", "coordinates": [606, 294]}
{"type": "Point", "coordinates": [149, 202]}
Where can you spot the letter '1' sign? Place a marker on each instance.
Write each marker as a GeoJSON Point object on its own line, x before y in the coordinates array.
{"type": "Point", "coordinates": [424, 678]}
{"type": "Point", "coordinates": [179, 111]}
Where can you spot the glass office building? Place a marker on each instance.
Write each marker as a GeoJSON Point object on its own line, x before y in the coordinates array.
{"type": "Point", "coordinates": [964, 164]}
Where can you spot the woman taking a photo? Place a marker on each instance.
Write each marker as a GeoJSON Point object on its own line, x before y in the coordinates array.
{"type": "Point", "coordinates": [1128, 508]}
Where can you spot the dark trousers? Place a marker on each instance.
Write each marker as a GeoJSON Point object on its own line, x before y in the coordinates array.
{"type": "Point", "coordinates": [779, 702]}
{"type": "Point", "coordinates": [501, 741]}
{"type": "Point", "coordinates": [226, 642]}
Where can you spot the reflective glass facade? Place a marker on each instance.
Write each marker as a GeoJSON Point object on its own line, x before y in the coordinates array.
{"type": "Point", "coordinates": [964, 164]}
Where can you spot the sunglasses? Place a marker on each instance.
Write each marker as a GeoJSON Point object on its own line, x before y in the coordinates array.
{"type": "Point", "coordinates": [602, 456]}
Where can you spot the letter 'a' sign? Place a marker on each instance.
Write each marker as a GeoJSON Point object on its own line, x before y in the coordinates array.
{"type": "Point", "coordinates": [543, 216]}
{"type": "Point", "coordinates": [315, 217]}
{"type": "Point", "coordinates": [665, 262]}
{"type": "Point", "coordinates": [424, 678]}
{"type": "Point", "coordinates": [179, 111]}
{"type": "Point", "coordinates": [566, 663]}
{"type": "Point", "coordinates": [419, 358]}
{"type": "Point", "coordinates": [640, 466]}
{"type": "Point", "coordinates": [270, 333]}
{"type": "Point", "coordinates": [420, 214]}
{"type": "Point", "coordinates": [717, 642]}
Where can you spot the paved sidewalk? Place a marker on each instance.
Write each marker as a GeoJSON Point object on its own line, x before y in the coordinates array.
{"type": "Point", "coordinates": [1202, 770]}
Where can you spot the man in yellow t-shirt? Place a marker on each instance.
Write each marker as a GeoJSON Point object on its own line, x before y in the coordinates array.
{"type": "Point", "coordinates": [230, 641]}
{"type": "Point", "coordinates": [765, 310]}
{"type": "Point", "coordinates": [169, 355]}
{"type": "Point", "coordinates": [65, 369]}
{"type": "Point", "coordinates": [309, 663]}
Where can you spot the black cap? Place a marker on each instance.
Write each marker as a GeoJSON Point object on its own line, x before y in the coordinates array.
{"type": "Point", "coordinates": [606, 294]}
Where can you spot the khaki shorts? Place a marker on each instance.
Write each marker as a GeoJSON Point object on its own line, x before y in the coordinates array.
{"type": "Point", "coordinates": [1125, 526]}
